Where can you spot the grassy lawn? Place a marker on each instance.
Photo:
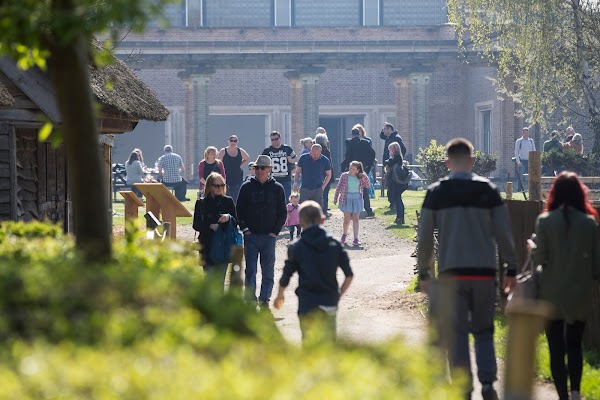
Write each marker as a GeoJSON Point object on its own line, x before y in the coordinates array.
{"type": "Point", "coordinates": [413, 200]}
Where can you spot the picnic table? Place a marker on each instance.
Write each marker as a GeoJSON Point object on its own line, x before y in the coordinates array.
{"type": "Point", "coordinates": [161, 201]}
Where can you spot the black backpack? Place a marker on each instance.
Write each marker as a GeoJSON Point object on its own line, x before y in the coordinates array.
{"type": "Point", "coordinates": [401, 174]}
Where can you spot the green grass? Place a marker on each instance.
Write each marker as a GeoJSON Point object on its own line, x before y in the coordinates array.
{"type": "Point", "coordinates": [413, 200]}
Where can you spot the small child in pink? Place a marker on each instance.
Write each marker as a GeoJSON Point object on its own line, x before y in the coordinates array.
{"type": "Point", "coordinates": [293, 218]}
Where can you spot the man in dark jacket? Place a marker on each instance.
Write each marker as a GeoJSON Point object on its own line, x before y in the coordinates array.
{"type": "Point", "coordinates": [261, 213]}
{"type": "Point", "coordinates": [358, 149]}
{"type": "Point", "coordinates": [316, 257]}
{"type": "Point", "coordinates": [390, 135]}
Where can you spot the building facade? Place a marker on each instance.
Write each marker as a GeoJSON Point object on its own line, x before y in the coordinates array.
{"type": "Point", "coordinates": [248, 67]}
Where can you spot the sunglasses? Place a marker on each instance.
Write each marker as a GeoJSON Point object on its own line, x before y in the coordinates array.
{"type": "Point", "coordinates": [274, 139]}
{"type": "Point", "coordinates": [261, 167]}
{"type": "Point", "coordinates": [233, 140]}
{"type": "Point", "coordinates": [219, 186]}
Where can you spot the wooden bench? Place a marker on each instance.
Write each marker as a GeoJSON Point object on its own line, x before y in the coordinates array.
{"type": "Point", "coordinates": [161, 201]}
{"type": "Point", "coordinates": [132, 202]}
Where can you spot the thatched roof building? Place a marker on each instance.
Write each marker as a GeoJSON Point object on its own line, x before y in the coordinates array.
{"type": "Point", "coordinates": [33, 174]}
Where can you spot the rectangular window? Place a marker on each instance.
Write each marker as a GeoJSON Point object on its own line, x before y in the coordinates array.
{"type": "Point", "coordinates": [486, 128]}
{"type": "Point", "coordinates": [283, 12]}
{"type": "Point", "coordinates": [370, 12]}
{"type": "Point", "coordinates": [193, 13]}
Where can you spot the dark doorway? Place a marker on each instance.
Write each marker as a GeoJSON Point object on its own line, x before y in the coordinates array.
{"type": "Point", "coordinates": [339, 128]}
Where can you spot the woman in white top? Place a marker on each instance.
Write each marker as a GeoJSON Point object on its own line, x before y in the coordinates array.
{"type": "Point", "coordinates": [135, 172]}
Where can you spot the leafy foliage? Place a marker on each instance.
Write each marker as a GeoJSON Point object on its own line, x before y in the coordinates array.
{"type": "Point", "coordinates": [546, 52]}
{"type": "Point", "coordinates": [433, 158]}
{"type": "Point", "coordinates": [570, 160]}
{"type": "Point", "coordinates": [149, 325]}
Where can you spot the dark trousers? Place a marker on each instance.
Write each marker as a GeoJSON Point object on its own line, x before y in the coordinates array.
{"type": "Point", "coordinates": [326, 197]}
{"type": "Point", "coordinates": [297, 228]}
{"type": "Point", "coordinates": [366, 198]}
{"type": "Point", "coordinates": [179, 187]}
{"type": "Point", "coordinates": [397, 192]}
{"type": "Point", "coordinates": [565, 339]}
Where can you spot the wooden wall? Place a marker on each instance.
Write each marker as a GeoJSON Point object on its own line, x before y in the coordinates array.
{"type": "Point", "coordinates": [7, 172]}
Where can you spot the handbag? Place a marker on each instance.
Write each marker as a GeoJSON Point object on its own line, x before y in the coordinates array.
{"type": "Point", "coordinates": [527, 283]}
{"type": "Point", "coordinates": [222, 240]}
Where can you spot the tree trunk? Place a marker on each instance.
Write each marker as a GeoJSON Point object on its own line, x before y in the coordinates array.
{"type": "Point", "coordinates": [70, 78]}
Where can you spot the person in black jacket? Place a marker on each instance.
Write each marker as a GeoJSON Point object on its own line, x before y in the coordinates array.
{"type": "Point", "coordinates": [262, 213]}
{"type": "Point", "coordinates": [389, 135]}
{"type": "Point", "coordinates": [358, 149]}
{"type": "Point", "coordinates": [316, 256]}
{"type": "Point", "coordinates": [217, 209]}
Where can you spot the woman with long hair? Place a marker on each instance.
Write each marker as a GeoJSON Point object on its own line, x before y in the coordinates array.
{"type": "Point", "coordinates": [135, 172]}
{"type": "Point", "coordinates": [208, 165]}
{"type": "Point", "coordinates": [217, 210]}
{"type": "Point", "coordinates": [567, 247]}
{"type": "Point", "coordinates": [395, 190]}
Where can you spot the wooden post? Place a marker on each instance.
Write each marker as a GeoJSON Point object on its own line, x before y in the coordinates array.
{"type": "Point", "coordinates": [535, 175]}
{"type": "Point", "coordinates": [132, 202]}
{"type": "Point", "coordinates": [526, 321]}
{"type": "Point", "coordinates": [509, 190]}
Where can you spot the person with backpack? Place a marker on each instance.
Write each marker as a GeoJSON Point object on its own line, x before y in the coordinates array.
{"type": "Point", "coordinates": [398, 179]}
{"type": "Point", "coordinates": [349, 191]}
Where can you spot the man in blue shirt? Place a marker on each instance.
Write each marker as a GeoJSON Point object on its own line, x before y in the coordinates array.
{"type": "Point", "coordinates": [315, 169]}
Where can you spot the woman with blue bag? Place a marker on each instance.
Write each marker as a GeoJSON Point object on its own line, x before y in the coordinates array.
{"type": "Point", "coordinates": [218, 227]}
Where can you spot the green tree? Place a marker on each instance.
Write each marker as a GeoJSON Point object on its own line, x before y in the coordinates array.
{"type": "Point", "coordinates": [57, 34]}
{"type": "Point", "coordinates": [547, 52]}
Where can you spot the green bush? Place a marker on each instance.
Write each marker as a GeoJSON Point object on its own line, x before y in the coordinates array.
{"type": "Point", "coordinates": [570, 160]}
{"type": "Point", "coordinates": [433, 159]}
{"type": "Point", "coordinates": [149, 325]}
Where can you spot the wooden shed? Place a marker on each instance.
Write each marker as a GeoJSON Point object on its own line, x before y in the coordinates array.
{"type": "Point", "coordinates": [33, 174]}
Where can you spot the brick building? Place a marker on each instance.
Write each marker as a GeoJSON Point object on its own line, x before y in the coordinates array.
{"type": "Point", "coordinates": [252, 66]}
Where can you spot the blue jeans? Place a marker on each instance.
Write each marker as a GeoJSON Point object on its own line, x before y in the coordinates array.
{"type": "Point", "coordinates": [263, 245]}
{"type": "Point", "coordinates": [287, 189]}
{"type": "Point", "coordinates": [398, 190]}
{"type": "Point", "coordinates": [524, 168]}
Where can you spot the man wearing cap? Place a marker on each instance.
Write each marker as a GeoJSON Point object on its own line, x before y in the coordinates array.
{"type": "Point", "coordinates": [523, 146]}
{"type": "Point", "coordinates": [261, 215]}
{"type": "Point", "coordinates": [283, 157]}
{"type": "Point", "coordinates": [170, 167]}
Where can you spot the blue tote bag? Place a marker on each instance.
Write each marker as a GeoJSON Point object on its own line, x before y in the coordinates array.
{"type": "Point", "coordinates": [222, 240]}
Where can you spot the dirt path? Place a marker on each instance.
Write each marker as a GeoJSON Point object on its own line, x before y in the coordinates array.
{"type": "Point", "coordinates": [376, 306]}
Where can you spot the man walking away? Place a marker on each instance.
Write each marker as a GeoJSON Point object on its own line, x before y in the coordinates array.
{"type": "Point", "coordinates": [471, 220]}
{"type": "Point", "coordinates": [523, 146]}
{"type": "Point", "coordinates": [171, 168]}
{"type": "Point", "coordinates": [358, 149]}
{"type": "Point", "coordinates": [261, 213]}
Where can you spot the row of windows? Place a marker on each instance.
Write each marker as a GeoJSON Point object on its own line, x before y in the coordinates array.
{"type": "Point", "coordinates": [264, 13]}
